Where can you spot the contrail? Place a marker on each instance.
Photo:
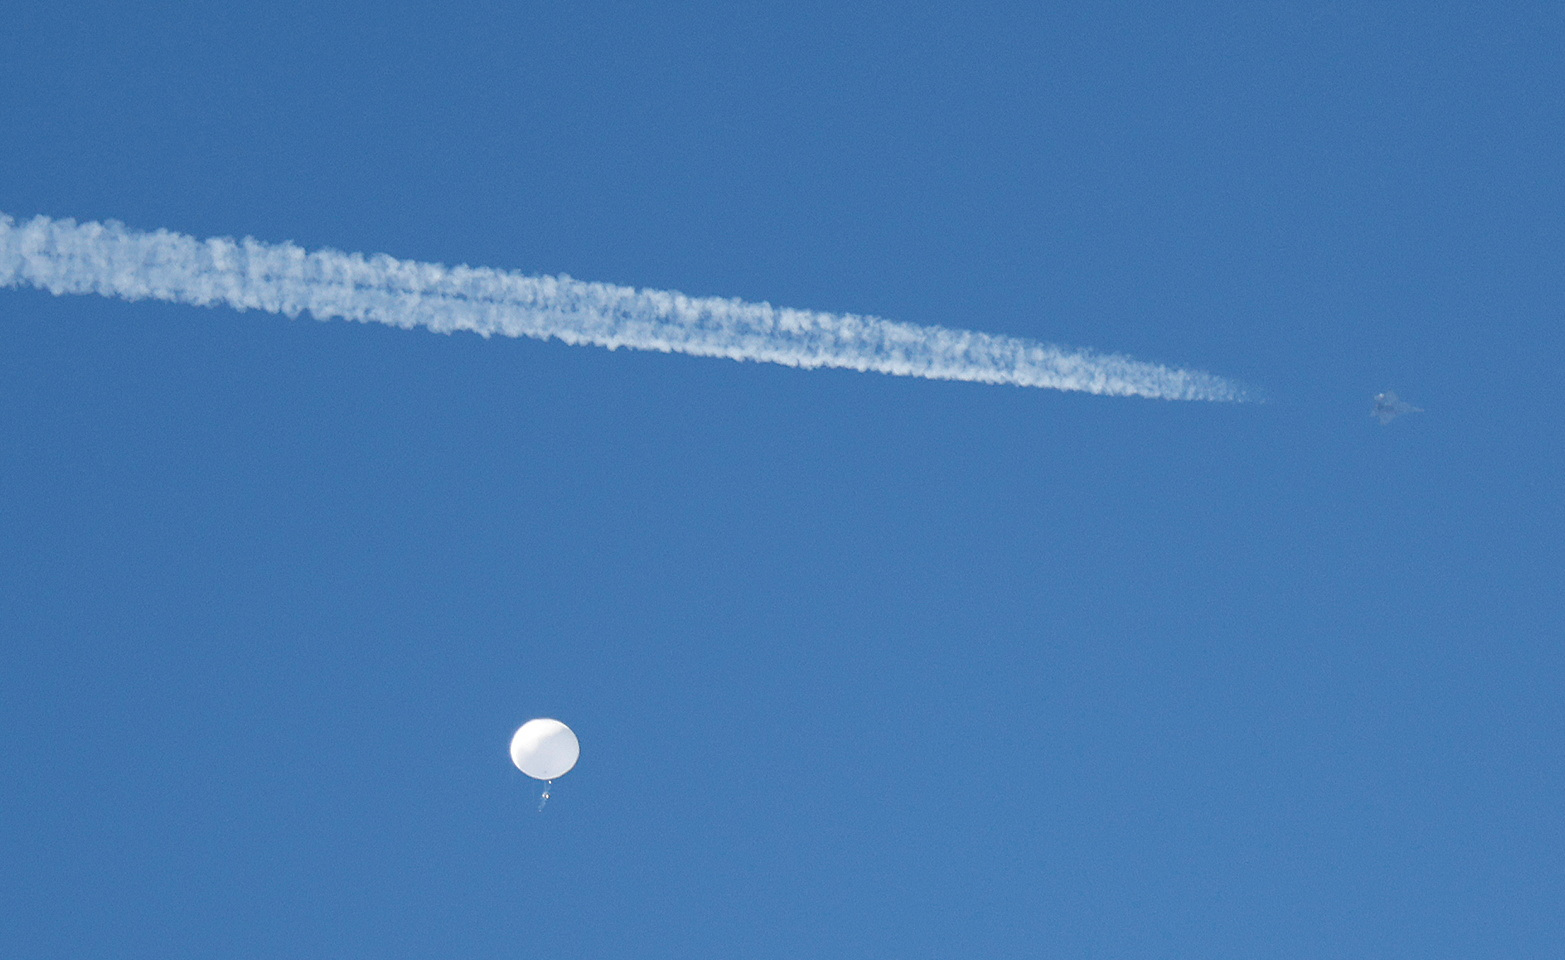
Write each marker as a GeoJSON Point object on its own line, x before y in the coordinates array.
{"type": "Point", "coordinates": [63, 256]}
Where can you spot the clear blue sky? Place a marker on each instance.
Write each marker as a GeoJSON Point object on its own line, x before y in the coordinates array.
{"type": "Point", "coordinates": [862, 666]}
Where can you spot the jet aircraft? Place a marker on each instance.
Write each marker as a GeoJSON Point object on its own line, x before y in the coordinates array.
{"type": "Point", "coordinates": [1389, 406]}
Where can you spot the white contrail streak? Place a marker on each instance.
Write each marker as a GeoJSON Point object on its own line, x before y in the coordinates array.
{"type": "Point", "coordinates": [63, 256]}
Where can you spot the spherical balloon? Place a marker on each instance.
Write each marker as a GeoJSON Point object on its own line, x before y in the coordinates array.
{"type": "Point", "coordinates": [544, 749]}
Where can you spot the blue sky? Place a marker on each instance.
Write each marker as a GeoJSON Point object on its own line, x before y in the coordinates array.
{"type": "Point", "coordinates": [862, 666]}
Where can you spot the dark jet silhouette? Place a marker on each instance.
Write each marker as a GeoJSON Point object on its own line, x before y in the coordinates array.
{"type": "Point", "coordinates": [1389, 406]}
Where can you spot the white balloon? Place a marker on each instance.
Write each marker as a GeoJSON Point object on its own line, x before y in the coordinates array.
{"type": "Point", "coordinates": [544, 749]}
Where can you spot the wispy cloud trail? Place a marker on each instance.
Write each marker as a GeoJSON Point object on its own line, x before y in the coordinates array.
{"type": "Point", "coordinates": [63, 256]}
